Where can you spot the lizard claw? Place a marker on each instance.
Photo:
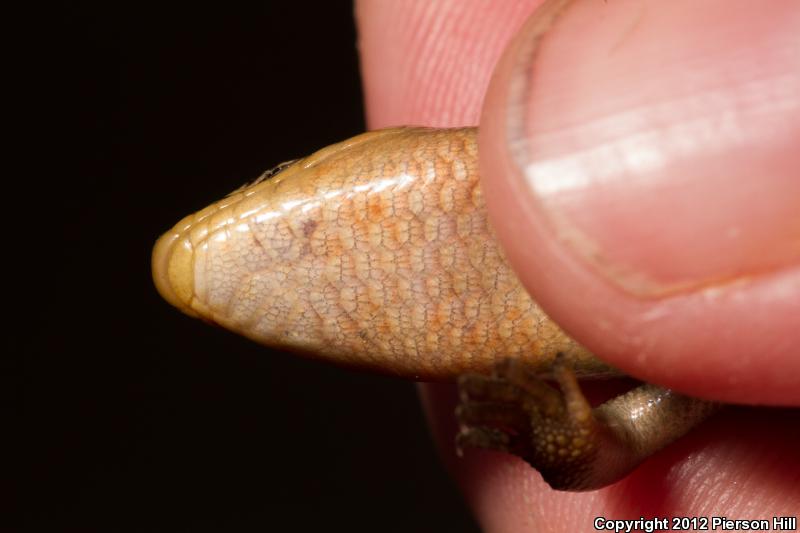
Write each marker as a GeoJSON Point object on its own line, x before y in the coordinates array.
{"type": "Point", "coordinates": [573, 446]}
{"type": "Point", "coordinates": [515, 411]}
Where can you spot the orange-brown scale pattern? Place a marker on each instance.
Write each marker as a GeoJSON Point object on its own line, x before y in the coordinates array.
{"type": "Point", "coordinates": [375, 252]}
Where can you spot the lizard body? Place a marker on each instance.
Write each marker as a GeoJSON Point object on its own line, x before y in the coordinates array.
{"type": "Point", "coordinates": [377, 253]}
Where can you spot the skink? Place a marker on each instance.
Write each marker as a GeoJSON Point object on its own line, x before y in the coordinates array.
{"type": "Point", "coordinates": [376, 253]}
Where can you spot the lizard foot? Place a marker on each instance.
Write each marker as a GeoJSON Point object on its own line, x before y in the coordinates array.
{"type": "Point", "coordinates": [515, 411]}
{"type": "Point", "coordinates": [572, 445]}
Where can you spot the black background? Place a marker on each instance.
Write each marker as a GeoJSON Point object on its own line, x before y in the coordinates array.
{"type": "Point", "coordinates": [139, 418]}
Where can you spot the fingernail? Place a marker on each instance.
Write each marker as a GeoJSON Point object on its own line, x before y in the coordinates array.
{"type": "Point", "coordinates": [660, 141]}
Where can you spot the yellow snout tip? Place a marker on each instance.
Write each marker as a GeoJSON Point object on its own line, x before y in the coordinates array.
{"type": "Point", "coordinates": [173, 270]}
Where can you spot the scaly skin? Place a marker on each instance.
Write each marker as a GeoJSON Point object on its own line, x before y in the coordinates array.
{"type": "Point", "coordinates": [376, 253]}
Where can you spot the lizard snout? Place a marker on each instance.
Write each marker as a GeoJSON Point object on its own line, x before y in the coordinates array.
{"type": "Point", "coordinates": [173, 269]}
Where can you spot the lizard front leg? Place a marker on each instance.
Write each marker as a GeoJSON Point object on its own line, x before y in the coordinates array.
{"type": "Point", "coordinates": [573, 446]}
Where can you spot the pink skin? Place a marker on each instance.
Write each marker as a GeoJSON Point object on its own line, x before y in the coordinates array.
{"type": "Point", "coordinates": [656, 273]}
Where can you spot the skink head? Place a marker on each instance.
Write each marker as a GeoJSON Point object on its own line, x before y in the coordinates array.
{"type": "Point", "coordinates": [215, 233]}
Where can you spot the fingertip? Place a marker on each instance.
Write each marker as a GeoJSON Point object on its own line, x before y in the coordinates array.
{"type": "Point", "coordinates": [428, 63]}
{"type": "Point", "coordinates": [618, 170]}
